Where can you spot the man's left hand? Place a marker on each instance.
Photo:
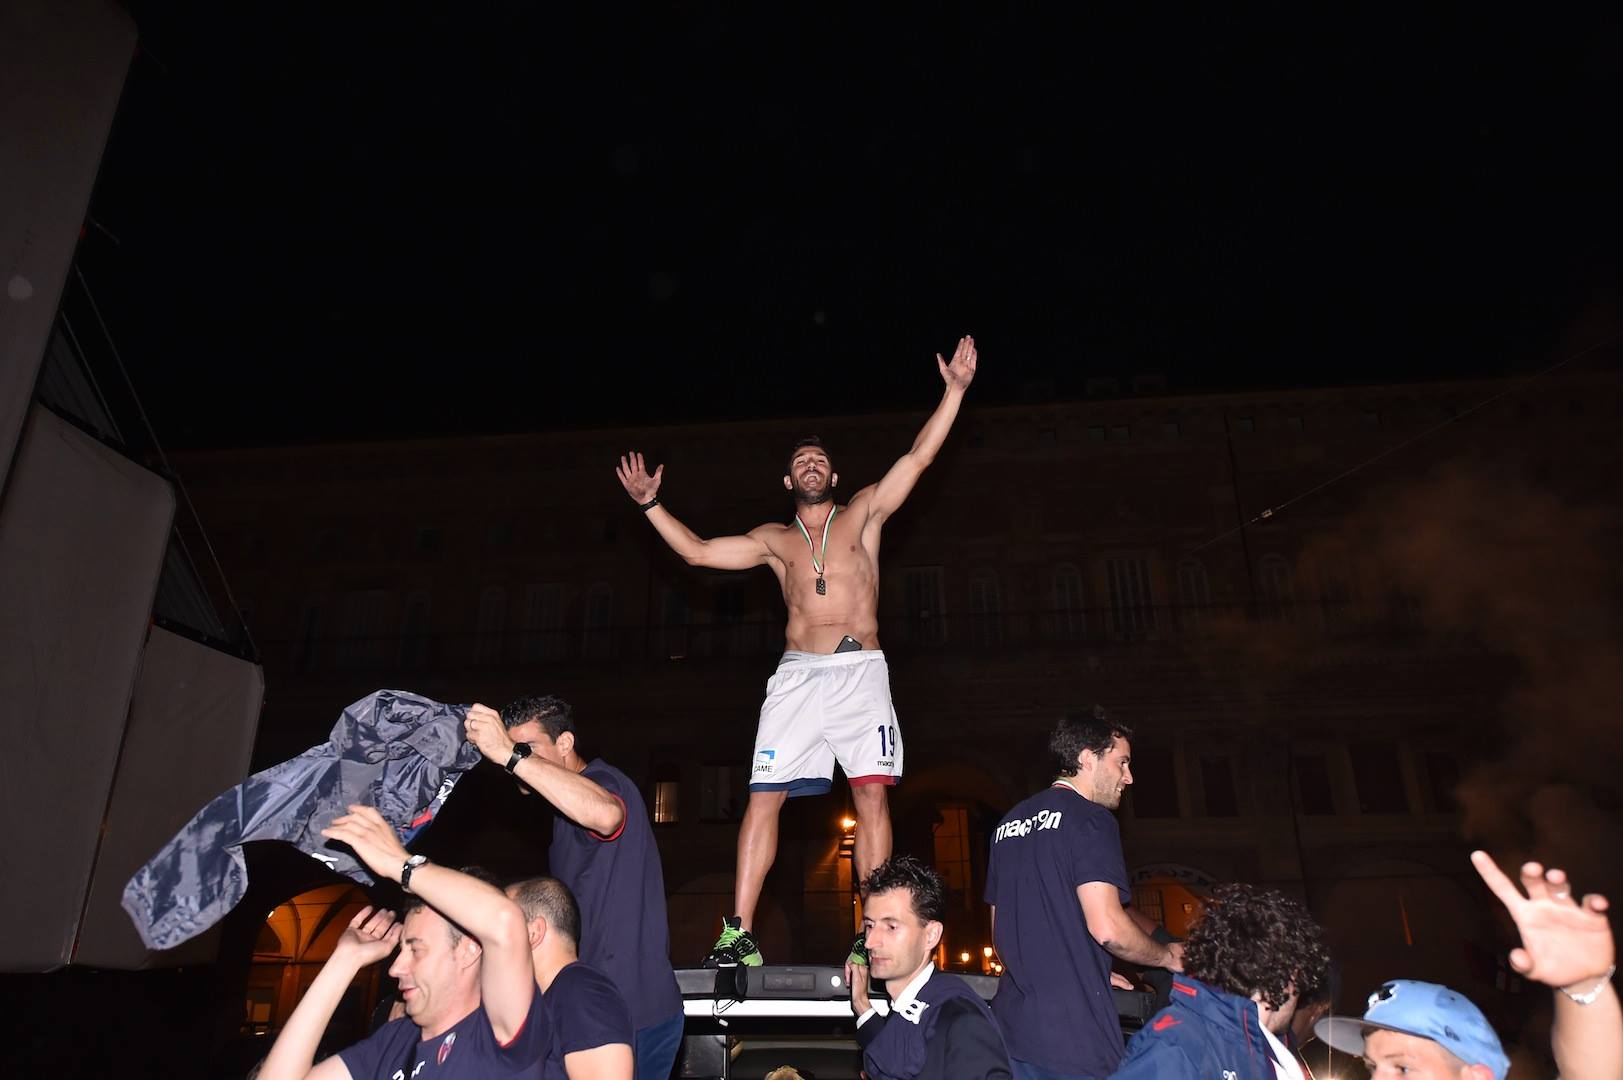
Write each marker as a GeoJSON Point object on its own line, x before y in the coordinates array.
{"type": "Point", "coordinates": [488, 734]}
{"type": "Point", "coordinates": [961, 371]}
{"type": "Point", "coordinates": [373, 840]}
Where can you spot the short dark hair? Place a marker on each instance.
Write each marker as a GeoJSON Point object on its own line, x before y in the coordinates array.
{"type": "Point", "coordinates": [809, 440]}
{"type": "Point", "coordinates": [554, 713]}
{"type": "Point", "coordinates": [550, 899]}
{"type": "Point", "coordinates": [417, 903]}
{"type": "Point", "coordinates": [1252, 940]}
{"type": "Point", "coordinates": [928, 892]}
{"type": "Point", "coordinates": [1091, 729]}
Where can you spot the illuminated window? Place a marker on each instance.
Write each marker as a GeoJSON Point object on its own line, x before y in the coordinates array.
{"type": "Point", "coordinates": [667, 795]}
{"type": "Point", "coordinates": [952, 854]}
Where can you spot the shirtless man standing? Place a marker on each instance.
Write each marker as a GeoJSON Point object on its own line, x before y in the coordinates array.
{"type": "Point", "coordinates": [830, 698]}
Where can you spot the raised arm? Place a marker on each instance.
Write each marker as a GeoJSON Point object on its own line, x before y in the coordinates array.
{"type": "Point", "coordinates": [576, 797]}
{"type": "Point", "coordinates": [1121, 937]}
{"type": "Point", "coordinates": [506, 975]}
{"type": "Point", "coordinates": [1569, 947]}
{"type": "Point", "coordinates": [371, 937]}
{"type": "Point", "coordinates": [717, 553]}
{"type": "Point", "coordinates": [897, 484]}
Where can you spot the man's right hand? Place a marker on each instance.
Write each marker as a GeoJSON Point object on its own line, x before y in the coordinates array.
{"type": "Point", "coordinates": [856, 977]}
{"type": "Point", "coordinates": [635, 479]}
{"type": "Point", "coordinates": [1174, 957]}
{"type": "Point", "coordinates": [372, 936]}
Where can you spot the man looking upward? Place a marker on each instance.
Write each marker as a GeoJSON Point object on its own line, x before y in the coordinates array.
{"type": "Point", "coordinates": [830, 698]}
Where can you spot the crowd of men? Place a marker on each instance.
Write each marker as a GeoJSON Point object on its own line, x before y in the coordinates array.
{"type": "Point", "coordinates": [570, 975]}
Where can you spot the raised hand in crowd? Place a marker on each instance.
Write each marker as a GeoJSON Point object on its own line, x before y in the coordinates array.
{"type": "Point", "coordinates": [1567, 944]}
{"type": "Point", "coordinates": [635, 478]}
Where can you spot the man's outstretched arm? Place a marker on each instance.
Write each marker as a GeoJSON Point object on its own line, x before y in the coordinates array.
{"type": "Point", "coordinates": [578, 798]}
{"type": "Point", "coordinates": [897, 484]}
{"type": "Point", "coordinates": [1568, 946]}
{"type": "Point", "coordinates": [371, 937]}
{"type": "Point", "coordinates": [717, 553]}
{"type": "Point", "coordinates": [506, 973]}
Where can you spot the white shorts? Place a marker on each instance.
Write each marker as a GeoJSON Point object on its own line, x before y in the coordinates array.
{"type": "Point", "coordinates": [822, 708]}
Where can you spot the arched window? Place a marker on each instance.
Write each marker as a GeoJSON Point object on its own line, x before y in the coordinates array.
{"type": "Point", "coordinates": [1275, 586]}
{"type": "Point", "coordinates": [542, 637]}
{"type": "Point", "coordinates": [985, 610]}
{"type": "Point", "coordinates": [1194, 594]}
{"type": "Point", "coordinates": [597, 623]}
{"type": "Point", "coordinates": [487, 634]}
{"type": "Point", "coordinates": [674, 617]}
{"type": "Point", "coordinates": [414, 637]}
{"type": "Point", "coordinates": [1067, 604]}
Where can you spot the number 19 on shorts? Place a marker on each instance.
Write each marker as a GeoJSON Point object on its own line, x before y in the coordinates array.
{"type": "Point", "coordinates": [887, 740]}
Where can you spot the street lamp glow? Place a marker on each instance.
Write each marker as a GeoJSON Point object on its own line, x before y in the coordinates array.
{"type": "Point", "coordinates": [986, 951]}
{"type": "Point", "coordinates": [848, 823]}
{"type": "Point", "coordinates": [963, 957]}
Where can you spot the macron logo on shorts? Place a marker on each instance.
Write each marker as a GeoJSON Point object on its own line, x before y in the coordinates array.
{"type": "Point", "coordinates": [765, 761]}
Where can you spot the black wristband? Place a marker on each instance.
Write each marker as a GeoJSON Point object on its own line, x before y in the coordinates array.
{"type": "Point", "coordinates": [649, 505]}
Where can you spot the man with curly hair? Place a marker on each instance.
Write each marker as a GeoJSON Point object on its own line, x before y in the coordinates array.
{"type": "Point", "coordinates": [1246, 963]}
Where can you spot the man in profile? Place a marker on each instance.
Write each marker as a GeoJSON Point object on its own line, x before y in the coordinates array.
{"type": "Point", "coordinates": [830, 699]}
{"type": "Point", "coordinates": [471, 1001]}
{"type": "Point", "coordinates": [937, 1027]}
{"type": "Point", "coordinates": [1057, 883]}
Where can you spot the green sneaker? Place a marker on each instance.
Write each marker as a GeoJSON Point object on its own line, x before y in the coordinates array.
{"type": "Point", "coordinates": [859, 952]}
{"type": "Point", "coordinates": [735, 946]}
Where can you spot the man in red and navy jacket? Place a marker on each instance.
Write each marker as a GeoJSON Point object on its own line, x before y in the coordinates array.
{"type": "Point", "coordinates": [1246, 963]}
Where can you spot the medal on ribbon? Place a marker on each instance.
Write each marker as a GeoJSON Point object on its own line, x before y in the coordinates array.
{"type": "Point", "coordinates": [819, 560]}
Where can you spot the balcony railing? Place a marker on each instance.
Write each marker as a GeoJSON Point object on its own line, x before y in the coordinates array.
{"type": "Point", "coordinates": [1154, 626]}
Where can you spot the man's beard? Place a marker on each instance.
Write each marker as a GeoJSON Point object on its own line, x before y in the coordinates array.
{"type": "Point", "coordinates": [803, 499]}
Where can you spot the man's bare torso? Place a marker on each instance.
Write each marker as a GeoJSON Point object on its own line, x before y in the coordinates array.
{"type": "Point", "coordinates": [850, 605]}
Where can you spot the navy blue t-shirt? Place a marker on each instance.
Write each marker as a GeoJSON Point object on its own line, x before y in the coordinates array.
{"type": "Point", "coordinates": [1053, 1001]}
{"type": "Point", "coordinates": [620, 886]}
{"type": "Point", "coordinates": [398, 1051]}
{"type": "Point", "coordinates": [587, 1012]}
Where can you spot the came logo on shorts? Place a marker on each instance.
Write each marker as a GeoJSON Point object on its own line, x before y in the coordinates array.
{"type": "Point", "coordinates": [765, 761]}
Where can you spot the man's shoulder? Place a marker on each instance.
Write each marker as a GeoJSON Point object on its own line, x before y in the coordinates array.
{"type": "Point", "coordinates": [578, 978]}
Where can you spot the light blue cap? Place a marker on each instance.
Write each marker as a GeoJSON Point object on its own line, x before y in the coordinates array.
{"type": "Point", "coordinates": [1425, 1010]}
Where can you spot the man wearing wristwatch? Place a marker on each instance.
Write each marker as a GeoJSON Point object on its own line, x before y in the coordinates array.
{"type": "Point", "coordinates": [472, 1005]}
{"type": "Point", "coordinates": [603, 850]}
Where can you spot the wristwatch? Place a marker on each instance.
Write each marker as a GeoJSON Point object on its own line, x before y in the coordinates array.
{"type": "Point", "coordinates": [520, 752]}
{"type": "Point", "coordinates": [405, 871]}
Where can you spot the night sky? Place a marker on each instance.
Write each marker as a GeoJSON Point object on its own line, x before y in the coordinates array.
{"type": "Point", "coordinates": [503, 217]}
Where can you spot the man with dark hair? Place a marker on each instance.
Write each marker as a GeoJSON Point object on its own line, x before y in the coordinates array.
{"type": "Point", "coordinates": [937, 1026]}
{"type": "Point", "coordinates": [1057, 884]}
{"type": "Point", "coordinates": [591, 1026]}
{"type": "Point", "coordinates": [603, 850]}
{"type": "Point", "coordinates": [830, 698]}
{"type": "Point", "coordinates": [1245, 964]}
{"type": "Point", "coordinates": [472, 1008]}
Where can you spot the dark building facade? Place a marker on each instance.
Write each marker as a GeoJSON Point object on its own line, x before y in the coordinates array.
{"type": "Point", "coordinates": [1306, 705]}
